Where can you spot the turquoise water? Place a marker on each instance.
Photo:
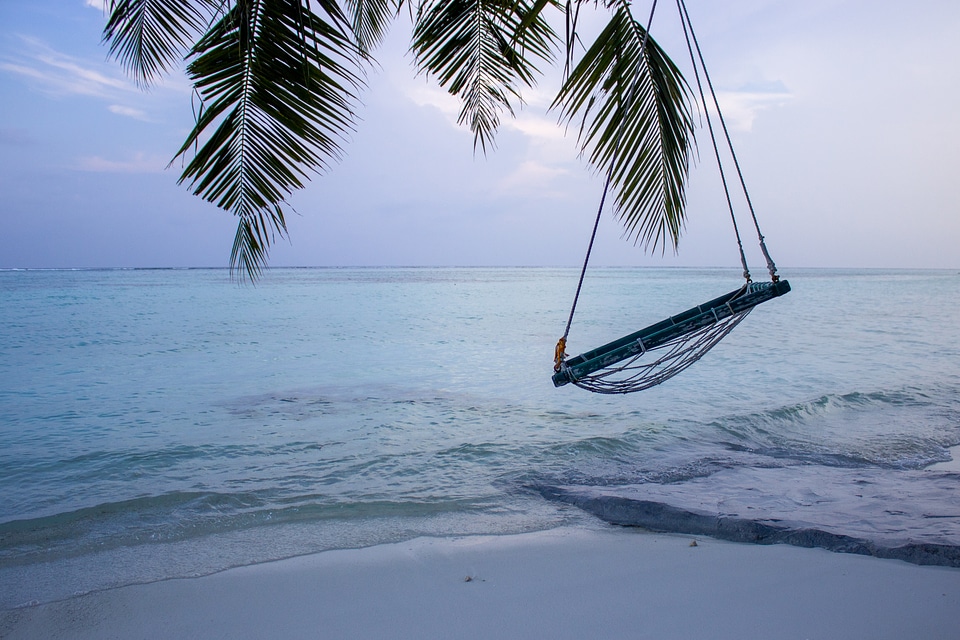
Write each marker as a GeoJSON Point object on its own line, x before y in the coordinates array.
{"type": "Point", "coordinates": [161, 423]}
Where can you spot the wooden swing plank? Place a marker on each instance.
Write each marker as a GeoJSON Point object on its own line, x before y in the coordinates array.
{"type": "Point", "coordinates": [657, 334]}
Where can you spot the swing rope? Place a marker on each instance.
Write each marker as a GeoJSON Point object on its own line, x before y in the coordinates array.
{"type": "Point", "coordinates": [690, 35]}
{"type": "Point", "coordinates": [687, 30]}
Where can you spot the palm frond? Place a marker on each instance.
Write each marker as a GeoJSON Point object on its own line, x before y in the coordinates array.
{"type": "Point", "coordinates": [370, 20]}
{"type": "Point", "coordinates": [149, 36]}
{"type": "Point", "coordinates": [636, 126]}
{"type": "Point", "coordinates": [482, 51]}
{"type": "Point", "coordinates": [278, 83]}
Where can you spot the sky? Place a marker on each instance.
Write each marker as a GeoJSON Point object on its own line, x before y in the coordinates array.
{"type": "Point", "coordinates": [842, 113]}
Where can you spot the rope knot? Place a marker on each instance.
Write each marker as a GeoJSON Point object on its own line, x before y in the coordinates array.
{"type": "Point", "coordinates": [559, 354]}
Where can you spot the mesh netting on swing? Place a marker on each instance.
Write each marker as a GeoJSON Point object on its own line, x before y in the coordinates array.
{"type": "Point", "coordinates": [648, 357]}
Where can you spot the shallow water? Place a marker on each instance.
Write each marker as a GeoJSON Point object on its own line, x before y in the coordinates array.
{"type": "Point", "coordinates": [162, 423]}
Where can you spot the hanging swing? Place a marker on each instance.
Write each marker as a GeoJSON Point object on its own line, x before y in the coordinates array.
{"type": "Point", "coordinates": [652, 355]}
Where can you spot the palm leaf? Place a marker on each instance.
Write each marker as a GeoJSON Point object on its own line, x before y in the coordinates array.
{"type": "Point", "coordinates": [150, 36]}
{"type": "Point", "coordinates": [635, 125]}
{"type": "Point", "coordinates": [482, 51]}
{"type": "Point", "coordinates": [278, 83]}
{"type": "Point", "coordinates": [370, 20]}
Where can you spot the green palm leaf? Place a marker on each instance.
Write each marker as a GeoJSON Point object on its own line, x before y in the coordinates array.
{"type": "Point", "coordinates": [150, 36]}
{"type": "Point", "coordinates": [278, 83]}
{"type": "Point", "coordinates": [482, 51]}
{"type": "Point", "coordinates": [635, 125]}
{"type": "Point", "coordinates": [370, 20]}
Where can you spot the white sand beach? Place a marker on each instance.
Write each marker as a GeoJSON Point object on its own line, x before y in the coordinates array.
{"type": "Point", "coordinates": [564, 583]}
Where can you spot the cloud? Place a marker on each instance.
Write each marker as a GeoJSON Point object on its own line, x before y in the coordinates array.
{"type": "Point", "coordinates": [97, 4]}
{"type": "Point", "coordinates": [60, 74]}
{"type": "Point", "coordinates": [536, 127]}
{"type": "Point", "coordinates": [742, 107]}
{"type": "Point", "coordinates": [534, 178]}
{"type": "Point", "coordinates": [138, 163]}
{"type": "Point", "coordinates": [425, 95]}
{"type": "Point", "coordinates": [129, 112]}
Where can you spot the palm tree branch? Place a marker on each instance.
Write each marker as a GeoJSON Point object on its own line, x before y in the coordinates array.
{"type": "Point", "coordinates": [148, 37]}
{"type": "Point", "coordinates": [482, 51]}
{"type": "Point", "coordinates": [278, 82]}
{"type": "Point", "coordinates": [636, 126]}
{"type": "Point", "coordinates": [370, 20]}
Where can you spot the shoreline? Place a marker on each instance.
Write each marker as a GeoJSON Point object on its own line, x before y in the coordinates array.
{"type": "Point", "coordinates": [561, 583]}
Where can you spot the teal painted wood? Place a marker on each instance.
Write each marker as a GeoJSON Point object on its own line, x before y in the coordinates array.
{"type": "Point", "coordinates": [657, 334]}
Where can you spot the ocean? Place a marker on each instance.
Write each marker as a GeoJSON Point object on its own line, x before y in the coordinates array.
{"type": "Point", "coordinates": [170, 423]}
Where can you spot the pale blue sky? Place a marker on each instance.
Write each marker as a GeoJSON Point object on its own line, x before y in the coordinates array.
{"type": "Point", "coordinates": [843, 114]}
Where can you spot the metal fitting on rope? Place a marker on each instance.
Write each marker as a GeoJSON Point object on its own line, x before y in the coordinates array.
{"type": "Point", "coordinates": [559, 354]}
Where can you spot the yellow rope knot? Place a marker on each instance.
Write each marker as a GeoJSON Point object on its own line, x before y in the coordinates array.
{"type": "Point", "coordinates": [559, 354]}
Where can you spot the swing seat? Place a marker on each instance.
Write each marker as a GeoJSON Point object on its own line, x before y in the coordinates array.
{"type": "Point", "coordinates": [686, 336]}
